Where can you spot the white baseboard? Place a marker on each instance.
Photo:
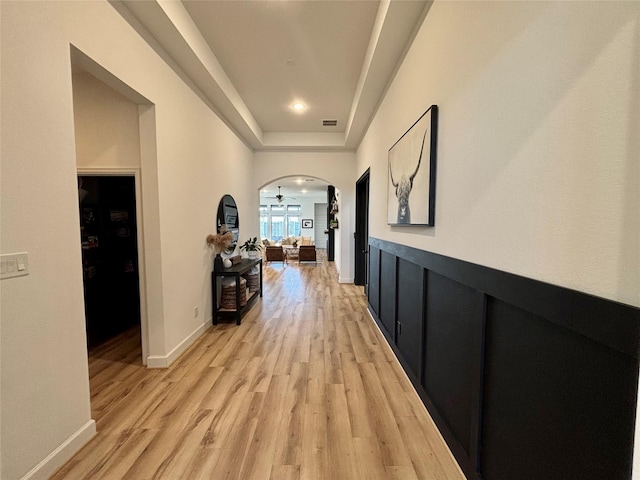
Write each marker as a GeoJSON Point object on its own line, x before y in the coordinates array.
{"type": "Point", "coordinates": [345, 280]}
{"type": "Point", "coordinates": [64, 452]}
{"type": "Point", "coordinates": [163, 361]}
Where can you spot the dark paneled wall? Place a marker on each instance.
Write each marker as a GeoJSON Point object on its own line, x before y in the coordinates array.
{"type": "Point", "coordinates": [525, 380]}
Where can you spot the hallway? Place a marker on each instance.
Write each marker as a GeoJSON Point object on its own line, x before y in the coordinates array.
{"type": "Point", "coordinates": [305, 388]}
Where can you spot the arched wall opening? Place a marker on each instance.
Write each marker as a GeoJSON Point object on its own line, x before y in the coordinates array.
{"type": "Point", "coordinates": [335, 168]}
{"type": "Point", "coordinates": [296, 206]}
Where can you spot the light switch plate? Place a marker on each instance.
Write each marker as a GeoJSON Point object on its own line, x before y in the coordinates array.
{"type": "Point", "coordinates": [14, 265]}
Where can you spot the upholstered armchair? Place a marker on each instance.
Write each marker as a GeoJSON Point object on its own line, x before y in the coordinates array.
{"type": "Point", "coordinates": [275, 254]}
{"type": "Point", "coordinates": [307, 253]}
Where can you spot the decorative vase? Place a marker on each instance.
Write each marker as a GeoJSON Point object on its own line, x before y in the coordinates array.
{"type": "Point", "coordinates": [227, 263]}
{"type": "Point", "coordinates": [217, 263]}
{"type": "Point", "coordinates": [252, 254]}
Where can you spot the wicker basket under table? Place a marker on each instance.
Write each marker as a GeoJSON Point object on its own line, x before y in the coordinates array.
{"type": "Point", "coordinates": [228, 298]}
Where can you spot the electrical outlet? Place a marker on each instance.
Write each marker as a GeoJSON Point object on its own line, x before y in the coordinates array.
{"type": "Point", "coordinates": [195, 312]}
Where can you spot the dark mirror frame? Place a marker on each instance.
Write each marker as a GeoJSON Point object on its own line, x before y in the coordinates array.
{"type": "Point", "coordinates": [228, 215]}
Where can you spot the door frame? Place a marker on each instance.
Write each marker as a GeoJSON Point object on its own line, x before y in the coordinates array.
{"type": "Point", "coordinates": [361, 235]}
{"type": "Point", "coordinates": [142, 280]}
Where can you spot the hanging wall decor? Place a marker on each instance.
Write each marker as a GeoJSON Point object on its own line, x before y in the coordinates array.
{"type": "Point", "coordinates": [334, 205]}
{"type": "Point", "coordinates": [412, 173]}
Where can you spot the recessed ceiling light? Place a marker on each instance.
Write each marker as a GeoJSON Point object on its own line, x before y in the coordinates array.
{"type": "Point", "coordinates": [298, 106]}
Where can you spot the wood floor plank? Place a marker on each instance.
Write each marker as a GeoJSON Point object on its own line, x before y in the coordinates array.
{"type": "Point", "coordinates": [285, 472]}
{"type": "Point", "coordinates": [119, 463]}
{"type": "Point", "coordinates": [186, 441]}
{"type": "Point", "coordinates": [340, 455]}
{"type": "Point", "coordinates": [359, 409]}
{"type": "Point", "coordinates": [316, 388]}
{"type": "Point", "coordinates": [288, 444]}
{"type": "Point", "coordinates": [304, 389]}
{"type": "Point", "coordinates": [401, 473]}
{"type": "Point", "coordinates": [368, 458]}
{"type": "Point", "coordinates": [238, 437]}
{"type": "Point", "coordinates": [425, 459]}
{"type": "Point", "coordinates": [395, 394]}
{"type": "Point", "coordinates": [258, 460]}
{"type": "Point", "coordinates": [314, 443]}
{"type": "Point", "coordinates": [203, 464]}
{"type": "Point", "coordinates": [392, 445]}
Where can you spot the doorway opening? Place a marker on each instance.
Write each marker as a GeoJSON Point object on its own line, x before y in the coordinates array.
{"type": "Point", "coordinates": [294, 206]}
{"type": "Point", "coordinates": [111, 277]}
{"type": "Point", "coordinates": [361, 270]}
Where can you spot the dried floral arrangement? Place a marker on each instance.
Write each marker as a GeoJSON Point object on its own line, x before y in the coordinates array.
{"type": "Point", "coordinates": [220, 242]}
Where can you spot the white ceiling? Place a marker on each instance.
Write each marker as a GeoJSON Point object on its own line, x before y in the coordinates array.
{"type": "Point", "coordinates": [251, 60]}
{"type": "Point", "coordinates": [296, 188]}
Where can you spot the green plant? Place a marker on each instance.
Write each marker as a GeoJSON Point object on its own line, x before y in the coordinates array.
{"type": "Point", "coordinates": [251, 245]}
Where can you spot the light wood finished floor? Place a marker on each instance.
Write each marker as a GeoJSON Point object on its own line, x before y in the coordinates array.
{"type": "Point", "coordinates": [305, 388]}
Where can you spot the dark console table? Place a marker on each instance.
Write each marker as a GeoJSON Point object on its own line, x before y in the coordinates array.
{"type": "Point", "coordinates": [236, 271]}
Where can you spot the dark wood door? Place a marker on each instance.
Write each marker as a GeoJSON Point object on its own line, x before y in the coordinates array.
{"type": "Point", "coordinates": [362, 231]}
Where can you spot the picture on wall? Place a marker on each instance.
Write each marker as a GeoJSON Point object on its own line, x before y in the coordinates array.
{"type": "Point", "coordinates": [307, 223]}
{"type": "Point", "coordinates": [412, 173]}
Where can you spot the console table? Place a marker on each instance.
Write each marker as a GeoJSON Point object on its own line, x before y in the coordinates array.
{"type": "Point", "coordinates": [235, 271]}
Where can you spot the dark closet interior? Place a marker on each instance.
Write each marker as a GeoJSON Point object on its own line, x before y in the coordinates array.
{"type": "Point", "coordinates": [109, 255]}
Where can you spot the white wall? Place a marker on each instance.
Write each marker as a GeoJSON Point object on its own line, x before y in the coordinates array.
{"type": "Point", "coordinates": [44, 378]}
{"type": "Point", "coordinates": [336, 168]}
{"type": "Point", "coordinates": [538, 148]}
{"type": "Point", "coordinates": [106, 125]}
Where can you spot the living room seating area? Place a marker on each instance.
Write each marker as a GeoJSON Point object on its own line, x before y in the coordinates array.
{"type": "Point", "coordinates": [293, 240]}
{"type": "Point", "coordinates": [284, 253]}
{"type": "Point", "coordinates": [307, 253]}
{"type": "Point", "coordinates": [275, 253]}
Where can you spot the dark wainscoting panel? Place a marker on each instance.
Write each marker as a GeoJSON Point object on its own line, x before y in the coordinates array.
{"type": "Point", "coordinates": [374, 279]}
{"type": "Point", "coordinates": [453, 312]}
{"type": "Point", "coordinates": [524, 379]}
{"type": "Point", "coordinates": [387, 291]}
{"type": "Point", "coordinates": [545, 389]}
{"type": "Point", "coordinates": [410, 323]}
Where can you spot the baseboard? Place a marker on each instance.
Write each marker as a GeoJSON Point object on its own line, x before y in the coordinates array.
{"type": "Point", "coordinates": [345, 280]}
{"type": "Point", "coordinates": [163, 361]}
{"type": "Point", "coordinates": [63, 453]}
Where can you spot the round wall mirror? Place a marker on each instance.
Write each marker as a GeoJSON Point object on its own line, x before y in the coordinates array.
{"type": "Point", "coordinates": [228, 215]}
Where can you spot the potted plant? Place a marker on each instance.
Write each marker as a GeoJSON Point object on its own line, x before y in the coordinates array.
{"type": "Point", "coordinates": [252, 247]}
{"type": "Point", "coordinates": [333, 223]}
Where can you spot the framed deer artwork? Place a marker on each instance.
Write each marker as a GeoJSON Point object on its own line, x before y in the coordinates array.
{"type": "Point", "coordinates": [412, 173]}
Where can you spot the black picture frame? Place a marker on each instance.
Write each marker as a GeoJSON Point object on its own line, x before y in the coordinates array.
{"type": "Point", "coordinates": [412, 174]}
{"type": "Point", "coordinates": [307, 223]}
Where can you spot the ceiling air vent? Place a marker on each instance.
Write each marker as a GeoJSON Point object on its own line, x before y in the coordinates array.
{"type": "Point", "coordinates": [329, 123]}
